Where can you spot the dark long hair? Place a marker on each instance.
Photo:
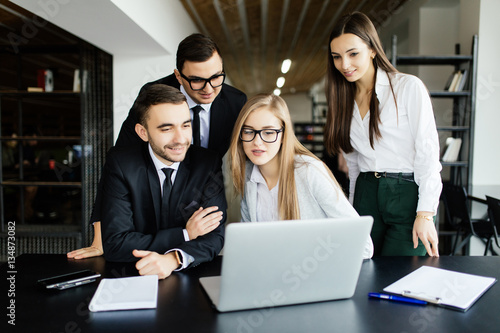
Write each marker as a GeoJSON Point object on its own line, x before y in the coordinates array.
{"type": "Point", "coordinates": [341, 93]}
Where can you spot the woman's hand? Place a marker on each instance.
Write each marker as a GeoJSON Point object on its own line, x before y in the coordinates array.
{"type": "Point", "coordinates": [93, 250]}
{"type": "Point", "coordinates": [425, 230]}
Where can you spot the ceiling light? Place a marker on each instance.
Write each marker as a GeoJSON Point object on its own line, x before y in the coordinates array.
{"type": "Point", "coordinates": [277, 92]}
{"type": "Point", "coordinates": [280, 82]}
{"type": "Point", "coordinates": [285, 66]}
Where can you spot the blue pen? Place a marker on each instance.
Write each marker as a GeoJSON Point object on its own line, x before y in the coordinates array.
{"type": "Point", "coordinates": [397, 298]}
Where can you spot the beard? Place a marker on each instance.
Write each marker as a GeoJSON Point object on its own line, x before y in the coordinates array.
{"type": "Point", "coordinates": [165, 155]}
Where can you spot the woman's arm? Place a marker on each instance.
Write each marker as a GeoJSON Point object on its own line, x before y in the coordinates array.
{"type": "Point", "coordinates": [94, 250]}
{"type": "Point", "coordinates": [426, 163]}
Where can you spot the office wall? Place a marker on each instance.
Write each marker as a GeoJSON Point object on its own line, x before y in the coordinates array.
{"type": "Point", "coordinates": [167, 23]}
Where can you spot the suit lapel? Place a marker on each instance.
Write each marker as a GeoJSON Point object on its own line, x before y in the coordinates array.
{"type": "Point", "coordinates": [154, 186]}
{"type": "Point", "coordinates": [217, 120]}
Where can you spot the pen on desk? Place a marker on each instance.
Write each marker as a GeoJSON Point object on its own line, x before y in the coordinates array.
{"type": "Point", "coordinates": [396, 298]}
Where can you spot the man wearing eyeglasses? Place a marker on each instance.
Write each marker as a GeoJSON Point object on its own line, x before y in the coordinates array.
{"type": "Point", "coordinates": [214, 107]}
{"type": "Point", "coordinates": [200, 77]}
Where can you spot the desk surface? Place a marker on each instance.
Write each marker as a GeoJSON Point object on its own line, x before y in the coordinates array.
{"type": "Point", "coordinates": [184, 307]}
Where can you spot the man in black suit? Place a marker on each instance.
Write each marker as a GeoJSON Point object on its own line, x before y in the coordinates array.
{"type": "Point", "coordinates": [163, 199]}
{"type": "Point", "coordinates": [200, 77]}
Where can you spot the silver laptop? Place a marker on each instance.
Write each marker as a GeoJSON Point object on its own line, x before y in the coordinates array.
{"type": "Point", "coordinates": [267, 264]}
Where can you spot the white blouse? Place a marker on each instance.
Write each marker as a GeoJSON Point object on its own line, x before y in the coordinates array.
{"type": "Point", "coordinates": [409, 140]}
{"type": "Point", "coordinates": [267, 199]}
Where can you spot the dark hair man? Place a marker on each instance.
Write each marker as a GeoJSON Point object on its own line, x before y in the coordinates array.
{"type": "Point", "coordinates": [153, 193]}
{"type": "Point", "coordinates": [200, 77]}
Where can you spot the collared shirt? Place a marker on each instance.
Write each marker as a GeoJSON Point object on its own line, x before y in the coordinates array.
{"type": "Point", "coordinates": [267, 200]}
{"type": "Point", "coordinates": [160, 165]}
{"type": "Point", "coordinates": [204, 117]}
{"type": "Point", "coordinates": [186, 258]}
{"type": "Point", "coordinates": [409, 141]}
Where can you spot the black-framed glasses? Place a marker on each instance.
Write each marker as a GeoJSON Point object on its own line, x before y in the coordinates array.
{"type": "Point", "coordinates": [199, 83]}
{"type": "Point", "coordinates": [268, 135]}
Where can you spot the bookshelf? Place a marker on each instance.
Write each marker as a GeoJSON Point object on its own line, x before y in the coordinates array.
{"type": "Point", "coordinates": [462, 121]}
{"type": "Point", "coordinates": [311, 136]}
{"type": "Point", "coordinates": [53, 144]}
{"type": "Point", "coordinates": [461, 124]}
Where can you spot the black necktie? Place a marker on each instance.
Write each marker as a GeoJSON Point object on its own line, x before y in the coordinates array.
{"type": "Point", "coordinates": [196, 125]}
{"type": "Point", "coordinates": [167, 188]}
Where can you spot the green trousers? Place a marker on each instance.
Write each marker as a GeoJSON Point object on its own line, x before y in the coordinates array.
{"type": "Point", "coordinates": [392, 203]}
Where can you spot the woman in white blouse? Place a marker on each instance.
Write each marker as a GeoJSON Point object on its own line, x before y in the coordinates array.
{"type": "Point", "coordinates": [278, 178]}
{"type": "Point", "coordinates": [383, 123]}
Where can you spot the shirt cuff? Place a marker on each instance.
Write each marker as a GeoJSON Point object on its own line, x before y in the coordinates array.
{"type": "Point", "coordinates": [186, 235]}
{"type": "Point", "coordinates": [186, 259]}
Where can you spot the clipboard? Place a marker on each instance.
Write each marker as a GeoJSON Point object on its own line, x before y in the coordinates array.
{"type": "Point", "coordinates": [450, 289]}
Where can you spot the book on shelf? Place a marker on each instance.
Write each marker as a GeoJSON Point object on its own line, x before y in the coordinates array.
{"type": "Point", "coordinates": [80, 80]}
{"type": "Point", "coordinates": [449, 82]}
{"type": "Point", "coordinates": [35, 89]}
{"type": "Point", "coordinates": [452, 149]}
{"type": "Point", "coordinates": [76, 81]}
{"type": "Point", "coordinates": [463, 80]}
{"type": "Point", "coordinates": [457, 80]}
{"type": "Point", "coordinates": [45, 80]}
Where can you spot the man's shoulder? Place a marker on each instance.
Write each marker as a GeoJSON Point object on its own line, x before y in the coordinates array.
{"type": "Point", "coordinates": [230, 90]}
{"type": "Point", "coordinates": [130, 153]}
{"type": "Point", "coordinates": [200, 156]}
{"type": "Point", "coordinates": [233, 96]}
{"type": "Point", "coordinates": [169, 80]}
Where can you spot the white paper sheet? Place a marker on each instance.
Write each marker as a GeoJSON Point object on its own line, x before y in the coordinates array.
{"type": "Point", "coordinates": [454, 289]}
{"type": "Point", "coordinates": [139, 292]}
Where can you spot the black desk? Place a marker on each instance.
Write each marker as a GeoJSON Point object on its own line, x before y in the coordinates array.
{"type": "Point", "coordinates": [184, 307]}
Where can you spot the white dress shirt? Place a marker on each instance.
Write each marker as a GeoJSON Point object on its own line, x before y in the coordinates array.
{"type": "Point", "coordinates": [160, 165]}
{"type": "Point", "coordinates": [409, 141]}
{"type": "Point", "coordinates": [204, 117]}
{"type": "Point", "coordinates": [186, 258]}
{"type": "Point", "coordinates": [267, 200]}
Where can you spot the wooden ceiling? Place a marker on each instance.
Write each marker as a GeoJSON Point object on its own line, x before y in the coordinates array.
{"type": "Point", "coordinates": [255, 36]}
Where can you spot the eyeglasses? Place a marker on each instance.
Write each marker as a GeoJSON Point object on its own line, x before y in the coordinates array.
{"type": "Point", "coordinates": [267, 135]}
{"type": "Point", "coordinates": [199, 83]}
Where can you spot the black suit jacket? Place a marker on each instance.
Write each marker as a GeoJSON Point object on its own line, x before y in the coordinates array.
{"type": "Point", "coordinates": [131, 202]}
{"type": "Point", "coordinates": [223, 113]}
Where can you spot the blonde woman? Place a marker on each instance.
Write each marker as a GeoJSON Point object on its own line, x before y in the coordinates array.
{"type": "Point", "coordinates": [278, 178]}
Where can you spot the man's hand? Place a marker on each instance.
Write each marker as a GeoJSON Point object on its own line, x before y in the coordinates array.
{"type": "Point", "coordinates": [93, 250]}
{"type": "Point", "coordinates": [202, 222]}
{"type": "Point", "coordinates": [153, 263]}
{"type": "Point", "coordinates": [426, 231]}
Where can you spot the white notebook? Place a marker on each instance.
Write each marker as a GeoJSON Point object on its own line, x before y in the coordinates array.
{"type": "Point", "coordinates": [139, 292]}
{"type": "Point", "coordinates": [442, 287]}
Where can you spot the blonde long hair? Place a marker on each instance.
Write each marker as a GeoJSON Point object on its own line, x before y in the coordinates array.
{"type": "Point", "coordinates": [288, 205]}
